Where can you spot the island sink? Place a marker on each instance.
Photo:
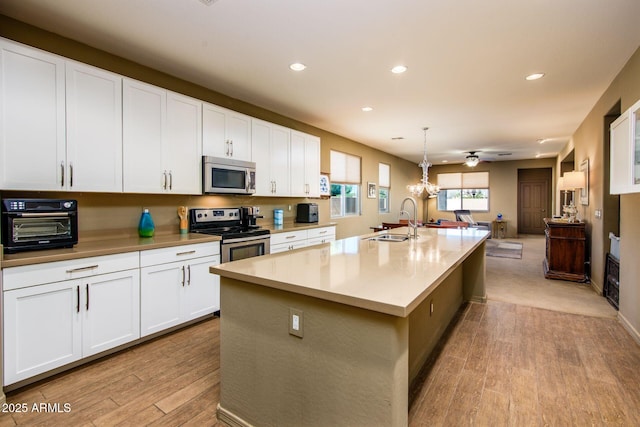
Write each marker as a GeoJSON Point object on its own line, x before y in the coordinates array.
{"type": "Point", "coordinates": [390, 238]}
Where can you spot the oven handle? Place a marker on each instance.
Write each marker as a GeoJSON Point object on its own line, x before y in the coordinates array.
{"type": "Point", "coordinates": [41, 214]}
{"type": "Point", "coordinates": [246, 239]}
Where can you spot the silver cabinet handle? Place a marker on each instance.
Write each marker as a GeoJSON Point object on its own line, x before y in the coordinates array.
{"type": "Point", "coordinates": [322, 232]}
{"type": "Point", "coordinates": [227, 143]}
{"type": "Point", "coordinates": [164, 180]}
{"type": "Point", "coordinates": [231, 144]}
{"type": "Point", "coordinates": [90, 267]}
{"type": "Point", "coordinates": [61, 174]}
{"type": "Point", "coordinates": [78, 295]}
{"type": "Point", "coordinates": [189, 275]}
{"type": "Point", "coordinates": [87, 287]}
{"type": "Point", "coordinates": [170, 180]}
{"type": "Point", "coordinates": [70, 174]}
{"type": "Point", "coordinates": [183, 278]}
{"type": "Point", "coordinates": [185, 253]}
{"type": "Point", "coordinates": [290, 237]}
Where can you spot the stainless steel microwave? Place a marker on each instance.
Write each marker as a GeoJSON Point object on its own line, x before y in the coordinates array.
{"type": "Point", "coordinates": [228, 176]}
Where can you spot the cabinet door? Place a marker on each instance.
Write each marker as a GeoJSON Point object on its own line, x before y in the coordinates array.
{"type": "Point", "coordinates": [239, 134]}
{"type": "Point", "coordinates": [635, 147]}
{"type": "Point", "coordinates": [183, 148]}
{"type": "Point", "coordinates": [312, 165]}
{"type": "Point", "coordinates": [94, 129]}
{"type": "Point", "coordinates": [144, 115]}
{"type": "Point", "coordinates": [620, 168]}
{"type": "Point", "coordinates": [296, 161]}
{"type": "Point", "coordinates": [32, 119]}
{"type": "Point", "coordinates": [202, 291]}
{"type": "Point", "coordinates": [110, 311]}
{"type": "Point", "coordinates": [161, 289]}
{"type": "Point", "coordinates": [214, 133]}
{"type": "Point", "coordinates": [260, 146]}
{"type": "Point", "coordinates": [42, 329]}
{"type": "Point", "coordinates": [279, 159]}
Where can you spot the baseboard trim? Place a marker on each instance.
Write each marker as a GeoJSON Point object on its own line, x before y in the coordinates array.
{"type": "Point", "coordinates": [230, 419]}
{"type": "Point", "coordinates": [629, 327]}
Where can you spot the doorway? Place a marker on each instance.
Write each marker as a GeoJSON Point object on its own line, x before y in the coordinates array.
{"type": "Point", "coordinates": [534, 199]}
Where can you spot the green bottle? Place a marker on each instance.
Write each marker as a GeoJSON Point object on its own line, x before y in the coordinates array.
{"type": "Point", "coordinates": [146, 227]}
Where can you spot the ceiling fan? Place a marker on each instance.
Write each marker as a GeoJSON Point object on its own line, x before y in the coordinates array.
{"type": "Point", "coordinates": [472, 159]}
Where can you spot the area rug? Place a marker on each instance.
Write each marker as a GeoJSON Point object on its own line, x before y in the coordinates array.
{"type": "Point", "coordinates": [501, 249]}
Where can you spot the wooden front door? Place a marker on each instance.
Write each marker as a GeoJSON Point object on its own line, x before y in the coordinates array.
{"type": "Point", "coordinates": [534, 200]}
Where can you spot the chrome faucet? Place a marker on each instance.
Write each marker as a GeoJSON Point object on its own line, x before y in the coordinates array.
{"type": "Point", "coordinates": [415, 214]}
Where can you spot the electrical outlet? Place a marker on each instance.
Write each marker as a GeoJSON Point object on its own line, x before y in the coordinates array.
{"type": "Point", "coordinates": [431, 309]}
{"type": "Point", "coordinates": [296, 322]}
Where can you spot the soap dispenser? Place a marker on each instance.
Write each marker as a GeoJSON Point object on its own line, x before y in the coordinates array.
{"type": "Point", "coordinates": [146, 227]}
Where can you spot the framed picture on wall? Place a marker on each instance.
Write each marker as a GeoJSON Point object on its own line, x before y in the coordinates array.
{"type": "Point", "coordinates": [371, 190]}
{"type": "Point", "coordinates": [325, 187]}
{"type": "Point", "coordinates": [584, 192]}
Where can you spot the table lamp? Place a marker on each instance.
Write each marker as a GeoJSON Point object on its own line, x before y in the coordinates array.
{"type": "Point", "coordinates": [572, 181]}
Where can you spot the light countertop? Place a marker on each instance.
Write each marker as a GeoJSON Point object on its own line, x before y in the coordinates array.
{"type": "Point", "coordinates": [389, 277]}
{"type": "Point", "coordinates": [106, 243]}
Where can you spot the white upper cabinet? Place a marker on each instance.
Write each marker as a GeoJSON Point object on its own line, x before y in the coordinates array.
{"type": "Point", "coordinates": [161, 140]}
{"type": "Point", "coordinates": [225, 133]}
{"type": "Point", "coordinates": [305, 165]}
{"type": "Point", "coordinates": [144, 112]}
{"type": "Point", "coordinates": [183, 149]}
{"type": "Point", "coordinates": [94, 129]}
{"type": "Point", "coordinates": [625, 152]}
{"type": "Point", "coordinates": [32, 119]}
{"type": "Point", "coordinates": [270, 146]}
{"type": "Point", "coordinates": [62, 123]}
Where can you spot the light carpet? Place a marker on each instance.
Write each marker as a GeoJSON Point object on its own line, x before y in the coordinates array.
{"type": "Point", "coordinates": [522, 282]}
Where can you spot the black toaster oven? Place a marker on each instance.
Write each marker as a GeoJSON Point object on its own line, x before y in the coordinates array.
{"type": "Point", "coordinates": [307, 212]}
{"type": "Point", "coordinates": [29, 224]}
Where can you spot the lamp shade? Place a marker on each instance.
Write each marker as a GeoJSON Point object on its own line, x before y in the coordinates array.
{"type": "Point", "coordinates": [561, 184]}
{"type": "Point", "coordinates": [573, 180]}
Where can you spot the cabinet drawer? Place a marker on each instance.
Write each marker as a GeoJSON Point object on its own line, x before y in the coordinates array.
{"type": "Point", "coordinates": [288, 237]}
{"type": "Point", "coordinates": [283, 247]}
{"type": "Point", "coordinates": [322, 232]}
{"type": "Point", "coordinates": [178, 253]}
{"type": "Point", "coordinates": [49, 272]}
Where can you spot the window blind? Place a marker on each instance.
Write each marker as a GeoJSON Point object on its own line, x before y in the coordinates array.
{"type": "Point", "coordinates": [345, 168]}
{"type": "Point", "coordinates": [463, 180]}
{"type": "Point", "coordinates": [383, 175]}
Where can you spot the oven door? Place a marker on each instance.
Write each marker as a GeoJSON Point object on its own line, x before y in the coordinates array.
{"type": "Point", "coordinates": [246, 247]}
{"type": "Point", "coordinates": [28, 231]}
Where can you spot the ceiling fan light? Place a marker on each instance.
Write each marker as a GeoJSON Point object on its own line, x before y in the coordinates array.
{"type": "Point", "coordinates": [472, 161]}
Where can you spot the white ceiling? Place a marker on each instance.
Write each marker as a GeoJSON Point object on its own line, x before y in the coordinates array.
{"type": "Point", "coordinates": [467, 61]}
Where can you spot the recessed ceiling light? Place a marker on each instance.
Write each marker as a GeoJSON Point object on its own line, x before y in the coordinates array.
{"type": "Point", "coordinates": [399, 69]}
{"type": "Point", "coordinates": [367, 109]}
{"type": "Point", "coordinates": [297, 66]}
{"type": "Point", "coordinates": [535, 76]}
{"type": "Point", "coordinates": [445, 161]}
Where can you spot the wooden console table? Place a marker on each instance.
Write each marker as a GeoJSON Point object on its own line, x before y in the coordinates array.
{"type": "Point", "coordinates": [565, 250]}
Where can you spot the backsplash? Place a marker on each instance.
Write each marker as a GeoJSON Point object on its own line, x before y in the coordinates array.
{"type": "Point", "coordinates": [107, 211]}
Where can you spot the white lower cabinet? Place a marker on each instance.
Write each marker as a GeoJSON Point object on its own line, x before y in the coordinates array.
{"type": "Point", "coordinates": [48, 325]}
{"type": "Point", "coordinates": [290, 240]}
{"type": "Point", "coordinates": [176, 285]}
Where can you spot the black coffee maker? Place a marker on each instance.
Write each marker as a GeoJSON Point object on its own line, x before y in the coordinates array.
{"type": "Point", "coordinates": [248, 215]}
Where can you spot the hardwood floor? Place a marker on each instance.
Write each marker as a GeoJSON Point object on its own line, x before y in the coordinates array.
{"type": "Point", "coordinates": [499, 364]}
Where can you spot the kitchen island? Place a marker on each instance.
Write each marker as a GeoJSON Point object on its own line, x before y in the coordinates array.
{"type": "Point", "coordinates": [334, 334]}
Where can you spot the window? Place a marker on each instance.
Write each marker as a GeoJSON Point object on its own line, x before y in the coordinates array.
{"type": "Point", "coordinates": [383, 187]}
{"type": "Point", "coordinates": [463, 191]}
{"type": "Point", "coordinates": [345, 184]}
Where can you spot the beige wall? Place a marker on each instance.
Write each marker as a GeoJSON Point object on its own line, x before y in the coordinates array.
{"type": "Point", "coordinates": [588, 142]}
{"type": "Point", "coordinates": [503, 190]}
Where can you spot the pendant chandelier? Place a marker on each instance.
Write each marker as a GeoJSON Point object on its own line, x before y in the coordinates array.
{"type": "Point", "coordinates": [424, 187]}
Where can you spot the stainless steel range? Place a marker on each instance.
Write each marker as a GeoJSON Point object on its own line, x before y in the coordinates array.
{"type": "Point", "coordinates": [241, 237]}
